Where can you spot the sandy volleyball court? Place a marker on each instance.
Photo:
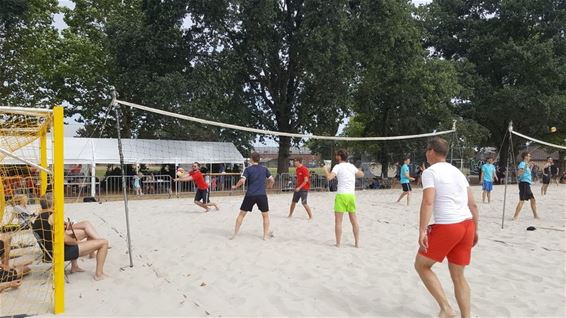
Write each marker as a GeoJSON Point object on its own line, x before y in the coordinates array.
{"type": "Point", "coordinates": [185, 264]}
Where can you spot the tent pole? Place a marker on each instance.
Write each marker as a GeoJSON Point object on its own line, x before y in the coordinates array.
{"type": "Point", "coordinates": [122, 167]}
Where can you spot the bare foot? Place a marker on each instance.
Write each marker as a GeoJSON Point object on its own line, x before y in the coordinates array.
{"type": "Point", "coordinates": [357, 245]}
{"type": "Point", "coordinates": [97, 277]}
{"type": "Point", "coordinates": [77, 270]}
{"type": "Point", "coordinates": [217, 208]}
{"type": "Point", "coordinates": [446, 313]}
{"type": "Point", "coordinates": [268, 236]}
{"type": "Point", "coordinates": [337, 245]}
{"type": "Point", "coordinates": [232, 237]}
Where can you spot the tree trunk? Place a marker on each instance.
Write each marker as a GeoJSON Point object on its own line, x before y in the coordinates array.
{"type": "Point", "coordinates": [283, 155]}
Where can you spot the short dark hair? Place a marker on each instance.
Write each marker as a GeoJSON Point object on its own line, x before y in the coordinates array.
{"type": "Point", "coordinates": [342, 154]}
{"type": "Point", "coordinates": [406, 158]}
{"type": "Point", "coordinates": [439, 145]}
{"type": "Point", "coordinates": [525, 154]}
{"type": "Point", "coordinates": [196, 163]}
{"type": "Point", "coordinates": [46, 201]}
{"type": "Point", "coordinates": [298, 159]}
{"type": "Point", "coordinates": [255, 157]}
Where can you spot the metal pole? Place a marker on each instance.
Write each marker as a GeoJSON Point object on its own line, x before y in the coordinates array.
{"type": "Point", "coordinates": [509, 154]}
{"type": "Point", "coordinates": [122, 167]}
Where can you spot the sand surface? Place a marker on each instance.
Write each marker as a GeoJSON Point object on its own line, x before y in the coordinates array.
{"type": "Point", "coordinates": [185, 265]}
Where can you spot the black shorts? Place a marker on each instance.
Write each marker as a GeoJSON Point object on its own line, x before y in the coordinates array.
{"type": "Point", "coordinates": [71, 252]}
{"type": "Point", "coordinates": [545, 179]}
{"type": "Point", "coordinates": [250, 201]}
{"type": "Point", "coordinates": [8, 276]}
{"type": "Point", "coordinates": [406, 187]}
{"type": "Point", "coordinates": [302, 195]}
{"type": "Point", "coordinates": [525, 193]}
{"type": "Point", "coordinates": [202, 195]}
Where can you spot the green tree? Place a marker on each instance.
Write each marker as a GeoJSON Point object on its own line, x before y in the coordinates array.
{"type": "Point", "coordinates": [29, 53]}
{"type": "Point", "coordinates": [512, 58]}
{"type": "Point", "coordinates": [288, 60]}
{"type": "Point", "coordinates": [400, 90]}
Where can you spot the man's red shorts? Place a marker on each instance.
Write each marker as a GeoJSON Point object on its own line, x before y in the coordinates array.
{"type": "Point", "coordinates": [453, 241]}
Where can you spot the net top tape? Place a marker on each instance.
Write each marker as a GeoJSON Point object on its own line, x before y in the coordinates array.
{"type": "Point", "coordinates": [278, 133]}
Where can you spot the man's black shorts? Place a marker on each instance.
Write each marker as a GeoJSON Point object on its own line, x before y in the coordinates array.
{"type": "Point", "coordinates": [302, 195]}
{"type": "Point", "coordinates": [250, 201]}
{"type": "Point", "coordinates": [202, 195]}
{"type": "Point", "coordinates": [406, 187]}
{"type": "Point", "coordinates": [525, 193]}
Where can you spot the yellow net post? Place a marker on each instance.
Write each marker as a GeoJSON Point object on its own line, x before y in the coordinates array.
{"type": "Point", "coordinates": [58, 212]}
{"type": "Point", "coordinates": [43, 160]}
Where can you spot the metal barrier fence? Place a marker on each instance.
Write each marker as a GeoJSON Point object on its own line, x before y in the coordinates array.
{"type": "Point", "coordinates": [110, 187]}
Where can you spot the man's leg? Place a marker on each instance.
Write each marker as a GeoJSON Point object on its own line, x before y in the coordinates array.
{"type": "Point", "coordinates": [401, 196]}
{"type": "Point", "coordinates": [338, 227]}
{"type": "Point", "coordinates": [534, 207]}
{"type": "Point", "coordinates": [239, 220]}
{"type": "Point", "coordinates": [6, 239]}
{"type": "Point", "coordinates": [89, 229]}
{"type": "Point", "coordinates": [488, 196]}
{"type": "Point", "coordinates": [408, 197]}
{"type": "Point", "coordinates": [308, 209]}
{"type": "Point", "coordinates": [292, 208]}
{"type": "Point", "coordinates": [265, 216]}
{"type": "Point", "coordinates": [461, 289]}
{"type": "Point", "coordinates": [518, 210]}
{"type": "Point", "coordinates": [202, 205]}
{"type": "Point", "coordinates": [423, 265]}
{"type": "Point", "coordinates": [355, 228]}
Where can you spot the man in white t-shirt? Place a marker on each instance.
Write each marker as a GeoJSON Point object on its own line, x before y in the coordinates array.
{"type": "Point", "coordinates": [446, 196]}
{"type": "Point", "coordinates": [345, 201]}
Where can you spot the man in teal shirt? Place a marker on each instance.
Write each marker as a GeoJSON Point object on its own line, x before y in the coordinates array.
{"type": "Point", "coordinates": [525, 193]}
{"type": "Point", "coordinates": [487, 175]}
{"type": "Point", "coordinates": [405, 179]}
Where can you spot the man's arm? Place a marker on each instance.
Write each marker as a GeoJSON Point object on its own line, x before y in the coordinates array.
{"type": "Point", "coordinates": [302, 184]}
{"type": "Point", "coordinates": [270, 182]}
{"type": "Point", "coordinates": [408, 175]}
{"type": "Point", "coordinates": [360, 173]}
{"type": "Point", "coordinates": [425, 215]}
{"type": "Point", "coordinates": [329, 175]}
{"type": "Point", "coordinates": [474, 209]}
{"type": "Point", "coordinates": [184, 178]}
{"type": "Point", "coordinates": [239, 183]}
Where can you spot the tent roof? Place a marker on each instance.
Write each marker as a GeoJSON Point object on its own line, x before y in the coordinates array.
{"type": "Point", "coordinates": [142, 151]}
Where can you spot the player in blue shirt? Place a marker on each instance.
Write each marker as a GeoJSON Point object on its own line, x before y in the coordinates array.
{"type": "Point", "coordinates": [525, 193]}
{"type": "Point", "coordinates": [487, 175]}
{"type": "Point", "coordinates": [256, 176]}
{"type": "Point", "coordinates": [405, 179]}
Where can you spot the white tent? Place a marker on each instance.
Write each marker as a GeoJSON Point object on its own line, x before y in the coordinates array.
{"type": "Point", "coordinates": [93, 151]}
{"type": "Point", "coordinates": [142, 151]}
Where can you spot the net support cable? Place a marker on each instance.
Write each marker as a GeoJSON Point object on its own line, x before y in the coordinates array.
{"type": "Point", "coordinates": [278, 133]}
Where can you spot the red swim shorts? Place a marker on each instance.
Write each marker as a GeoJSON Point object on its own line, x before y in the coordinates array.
{"type": "Point", "coordinates": [453, 241]}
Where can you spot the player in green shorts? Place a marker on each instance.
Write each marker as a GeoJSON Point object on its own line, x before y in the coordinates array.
{"type": "Point", "coordinates": [345, 201]}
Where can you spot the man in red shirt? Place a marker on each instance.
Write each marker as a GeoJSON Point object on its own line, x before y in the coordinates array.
{"type": "Point", "coordinates": [302, 187]}
{"type": "Point", "coordinates": [202, 197]}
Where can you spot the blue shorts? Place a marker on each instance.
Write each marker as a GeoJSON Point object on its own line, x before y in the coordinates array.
{"type": "Point", "coordinates": [487, 186]}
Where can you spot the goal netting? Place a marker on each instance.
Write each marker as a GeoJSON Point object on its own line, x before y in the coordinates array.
{"type": "Point", "coordinates": [30, 151]}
